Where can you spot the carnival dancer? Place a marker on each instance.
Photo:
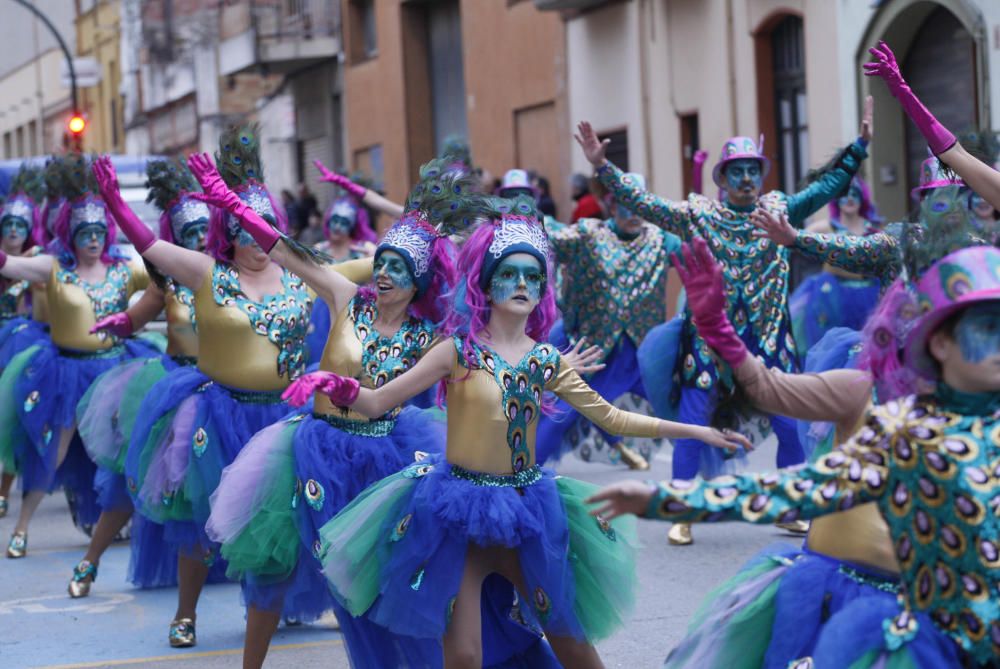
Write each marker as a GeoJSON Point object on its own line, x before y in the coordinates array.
{"type": "Point", "coordinates": [618, 272]}
{"type": "Point", "coordinates": [834, 298]}
{"type": "Point", "coordinates": [927, 460]}
{"type": "Point", "coordinates": [16, 219]}
{"type": "Point", "coordinates": [86, 281]}
{"type": "Point", "coordinates": [413, 551]}
{"type": "Point", "coordinates": [777, 609]}
{"type": "Point", "coordinates": [348, 235]}
{"type": "Point", "coordinates": [251, 320]}
{"type": "Point", "coordinates": [757, 272]}
{"type": "Point", "coordinates": [107, 412]}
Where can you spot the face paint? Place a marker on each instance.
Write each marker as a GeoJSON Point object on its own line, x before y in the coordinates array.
{"type": "Point", "coordinates": [14, 228]}
{"type": "Point", "coordinates": [853, 197]}
{"type": "Point", "coordinates": [392, 266]}
{"type": "Point", "coordinates": [514, 272]}
{"type": "Point", "coordinates": [193, 235]}
{"type": "Point", "coordinates": [743, 173]}
{"type": "Point", "coordinates": [978, 332]}
{"type": "Point", "coordinates": [90, 232]}
{"type": "Point", "coordinates": [339, 225]}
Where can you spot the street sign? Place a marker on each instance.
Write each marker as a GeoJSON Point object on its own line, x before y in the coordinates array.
{"type": "Point", "coordinates": [88, 72]}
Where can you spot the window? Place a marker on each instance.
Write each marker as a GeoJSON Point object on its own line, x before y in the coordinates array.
{"type": "Point", "coordinates": [791, 121]}
{"type": "Point", "coordinates": [364, 44]}
{"type": "Point", "coordinates": [689, 144]}
{"type": "Point", "coordinates": [618, 148]}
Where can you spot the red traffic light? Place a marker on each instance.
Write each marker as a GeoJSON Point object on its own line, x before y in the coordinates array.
{"type": "Point", "coordinates": [77, 124]}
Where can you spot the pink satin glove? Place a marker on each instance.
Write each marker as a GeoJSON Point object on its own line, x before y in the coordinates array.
{"type": "Point", "coordinates": [354, 189]}
{"type": "Point", "coordinates": [697, 172]}
{"type": "Point", "coordinates": [217, 193]}
{"type": "Point", "coordinates": [939, 139]}
{"type": "Point", "coordinates": [706, 296]}
{"type": "Point", "coordinates": [120, 325]}
{"type": "Point", "coordinates": [3, 259]}
{"type": "Point", "coordinates": [341, 390]}
{"type": "Point", "coordinates": [107, 182]}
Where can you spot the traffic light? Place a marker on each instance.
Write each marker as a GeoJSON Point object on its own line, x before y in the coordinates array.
{"type": "Point", "coordinates": [77, 124]}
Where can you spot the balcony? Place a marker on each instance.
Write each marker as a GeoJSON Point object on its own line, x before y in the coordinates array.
{"type": "Point", "coordinates": [578, 5]}
{"type": "Point", "coordinates": [279, 35]}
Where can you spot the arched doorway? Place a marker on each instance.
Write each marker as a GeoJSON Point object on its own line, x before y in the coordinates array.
{"type": "Point", "coordinates": [940, 46]}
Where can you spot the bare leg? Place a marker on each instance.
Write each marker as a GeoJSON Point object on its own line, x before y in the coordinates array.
{"type": "Point", "coordinates": [192, 572]}
{"type": "Point", "coordinates": [107, 528]}
{"type": "Point", "coordinates": [6, 481]}
{"type": "Point", "coordinates": [32, 499]}
{"type": "Point", "coordinates": [260, 628]}
{"type": "Point", "coordinates": [463, 641]}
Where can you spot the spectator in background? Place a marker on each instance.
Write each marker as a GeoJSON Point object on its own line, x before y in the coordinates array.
{"type": "Point", "coordinates": [312, 234]}
{"type": "Point", "coordinates": [291, 211]}
{"type": "Point", "coordinates": [546, 205]}
{"type": "Point", "coordinates": [307, 206]}
{"type": "Point", "coordinates": [587, 206]}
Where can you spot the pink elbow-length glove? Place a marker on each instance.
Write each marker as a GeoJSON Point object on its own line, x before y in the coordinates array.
{"type": "Point", "coordinates": [706, 296]}
{"type": "Point", "coordinates": [341, 390]}
{"type": "Point", "coordinates": [698, 170]}
{"type": "Point", "coordinates": [354, 189]}
{"type": "Point", "coordinates": [939, 139]}
{"type": "Point", "coordinates": [217, 193]}
{"type": "Point", "coordinates": [120, 325]}
{"type": "Point", "coordinates": [107, 182]}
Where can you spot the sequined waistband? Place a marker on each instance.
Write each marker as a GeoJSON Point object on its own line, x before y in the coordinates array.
{"type": "Point", "coordinates": [363, 428]}
{"type": "Point", "coordinates": [185, 360]}
{"type": "Point", "coordinates": [113, 352]}
{"type": "Point", "coordinates": [521, 479]}
{"type": "Point", "coordinates": [253, 396]}
{"type": "Point", "coordinates": [862, 577]}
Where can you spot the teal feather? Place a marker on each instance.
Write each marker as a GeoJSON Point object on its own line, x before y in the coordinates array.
{"type": "Point", "coordinates": [447, 197]}
{"type": "Point", "coordinates": [238, 157]}
{"type": "Point", "coordinates": [167, 180]}
{"type": "Point", "coordinates": [30, 181]}
{"type": "Point", "coordinates": [53, 174]}
{"type": "Point", "coordinates": [78, 179]}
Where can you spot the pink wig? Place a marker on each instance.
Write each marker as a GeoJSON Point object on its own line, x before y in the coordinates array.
{"type": "Point", "coordinates": [217, 242]}
{"type": "Point", "coordinates": [867, 210]}
{"type": "Point", "coordinates": [40, 229]}
{"type": "Point", "coordinates": [65, 236]}
{"type": "Point", "coordinates": [470, 314]}
{"type": "Point", "coordinates": [882, 342]}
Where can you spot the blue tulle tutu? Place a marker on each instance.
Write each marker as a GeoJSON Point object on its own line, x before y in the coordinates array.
{"type": "Point", "coordinates": [397, 552]}
{"type": "Point", "coordinates": [658, 355]}
{"type": "Point", "coordinates": [778, 609]}
{"type": "Point", "coordinates": [17, 334]}
{"type": "Point", "coordinates": [186, 432]}
{"type": "Point", "coordinates": [319, 330]}
{"type": "Point", "coordinates": [838, 349]}
{"type": "Point", "coordinates": [824, 301]}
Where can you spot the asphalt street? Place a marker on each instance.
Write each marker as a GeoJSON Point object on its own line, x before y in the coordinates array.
{"type": "Point", "coordinates": [118, 626]}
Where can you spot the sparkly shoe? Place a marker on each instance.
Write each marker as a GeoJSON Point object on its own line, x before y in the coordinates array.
{"type": "Point", "coordinates": [18, 546]}
{"type": "Point", "coordinates": [182, 633]}
{"type": "Point", "coordinates": [680, 534]}
{"type": "Point", "coordinates": [631, 458]}
{"type": "Point", "coordinates": [3, 506]}
{"type": "Point", "coordinates": [84, 575]}
{"type": "Point", "coordinates": [795, 527]}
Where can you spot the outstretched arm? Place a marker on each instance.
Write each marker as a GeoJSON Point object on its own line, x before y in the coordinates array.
{"type": "Point", "coordinates": [35, 269]}
{"type": "Point", "coordinates": [366, 195]}
{"type": "Point", "coordinates": [184, 265]}
{"type": "Point", "coordinates": [806, 202]}
{"type": "Point", "coordinates": [671, 216]}
{"type": "Point", "coordinates": [332, 286]}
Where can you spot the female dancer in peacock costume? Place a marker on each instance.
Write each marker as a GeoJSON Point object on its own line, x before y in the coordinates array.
{"type": "Point", "coordinates": [413, 551]}
{"type": "Point", "coordinates": [107, 412]}
{"type": "Point", "coordinates": [926, 460]}
{"type": "Point", "coordinates": [251, 320]}
{"type": "Point", "coordinates": [86, 280]}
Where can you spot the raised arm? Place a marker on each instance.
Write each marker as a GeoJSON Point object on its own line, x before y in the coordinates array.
{"type": "Point", "coordinates": [671, 216]}
{"type": "Point", "coordinates": [335, 288]}
{"type": "Point", "coordinates": [566, 240]}
{"type": "Point", "coordinates": [35, 269]}
{"type": "Point", "coordinates": [808, 201]}
{"type": "Point", "coordinates": [184, 265]}
{"type": "Point", "coordinates": [366, 195]}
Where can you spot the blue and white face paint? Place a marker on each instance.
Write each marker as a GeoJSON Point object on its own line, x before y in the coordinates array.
{"type": "Point", "coordinates": [390, 266]}
{"type": "Point", "coordinates": [978, 332]}
{"type": "Point", "coordinates": [744, 176]}
{"type": "Point", "coordinates": [518, 277]}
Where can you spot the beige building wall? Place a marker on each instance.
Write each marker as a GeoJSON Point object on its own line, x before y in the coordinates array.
{"type": "Point", "coordinates": [32, 125]}
{"type": "Point", "coordinates": [98, 37]}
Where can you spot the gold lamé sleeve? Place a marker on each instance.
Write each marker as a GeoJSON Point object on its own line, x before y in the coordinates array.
{"type": "Point", "coordinates": [139, 277]}
{"type": "Point", "coordinates": [357, 271]}
{"type": "Point", "coordinates": [568, 386]}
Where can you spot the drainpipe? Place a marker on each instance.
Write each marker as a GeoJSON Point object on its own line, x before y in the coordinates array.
{"type": "Point", "coordinates": [731, 65]}
{"type": "Point", "coordinates": [644, 87]}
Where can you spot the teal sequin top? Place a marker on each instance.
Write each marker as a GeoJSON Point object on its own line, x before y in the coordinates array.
{"type": "Point", "coordinates": [757, 271]}
{"type": "Point", "coordinates": [617, 286]}
{"type": "Point", "coordinates": [932, 464]}
{"type": "Point", "coordinates": [109, 296]}
{"type": "Point", "coordinates": [10, 298]}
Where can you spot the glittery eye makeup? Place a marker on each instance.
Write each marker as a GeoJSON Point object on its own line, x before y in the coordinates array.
{"type": "Point", "coordinates": [393, 267]}
{"type": "Point", "coordinates": [514, 273]}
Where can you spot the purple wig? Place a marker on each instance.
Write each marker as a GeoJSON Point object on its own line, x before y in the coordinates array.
{"type": "Point", "coordinates": [882, 342]}
{"type": "Point", "coordinates": [471, 313]}
{"type": "Point", "coordinates": [64, 235]}
{"type": "Point", "coordinates": [40, 230]}
{"type": "Point", "coordinates": [867, 210]}
{"type": "Point", "coordinates": [218, 243]}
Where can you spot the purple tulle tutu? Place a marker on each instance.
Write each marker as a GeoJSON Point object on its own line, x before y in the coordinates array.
{"type": "Point", "coordinates": [187, 431]}
{"type": "Point", "coordinates": [17, 334]}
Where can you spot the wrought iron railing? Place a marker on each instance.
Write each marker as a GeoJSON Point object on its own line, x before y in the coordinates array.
{"type": "Point", "coordinates": [295, 19]}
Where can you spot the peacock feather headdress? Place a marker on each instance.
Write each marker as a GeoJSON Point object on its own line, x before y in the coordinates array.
{"type": "Point", "coordinates": [27, 190]}
{"type": "Point", "coordinates": [518, 230]}
{"type": "Point", "coordinates": [170, 184]}
{"type": "Point", "coordinates": [80, 188]}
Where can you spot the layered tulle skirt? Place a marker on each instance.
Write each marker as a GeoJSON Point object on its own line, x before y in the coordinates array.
{"type": "Point", "coordinates": [396, 554]}
{"type": "Point", "coordinates": [824, 301]}
{"type": "Point", "coordinates": [185, 433]}
{"type": "Point", "coordinates": [788, 605]}
{"type": "Point", "coordinates": [17, 334]}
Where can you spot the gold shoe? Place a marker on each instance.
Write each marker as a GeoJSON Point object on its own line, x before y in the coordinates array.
{"type": "Point", "coordinates": [795, 527]}
{"type": "Point", "coordinates": [631, 458]}
{"type": "Point", "coordinates": [18, 546]}
{"type": "Point", "coordinates": [680, 534]}
{"type": "Point", "coordinates": [84, 575]}
{"type": "Point", "coordinates": [3, 506]}
{"type": "Point", "coordinates": [182, 633]}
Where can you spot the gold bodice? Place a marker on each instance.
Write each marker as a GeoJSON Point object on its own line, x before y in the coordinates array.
{"type": "Point", "coordinates": [182, 340]}
{"type": "Point", "coordinates": [341, 355]}
{"type": "Point", "coordinates": [72, 312]}
{"type": "Point", "coordinates": [39, 302]}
